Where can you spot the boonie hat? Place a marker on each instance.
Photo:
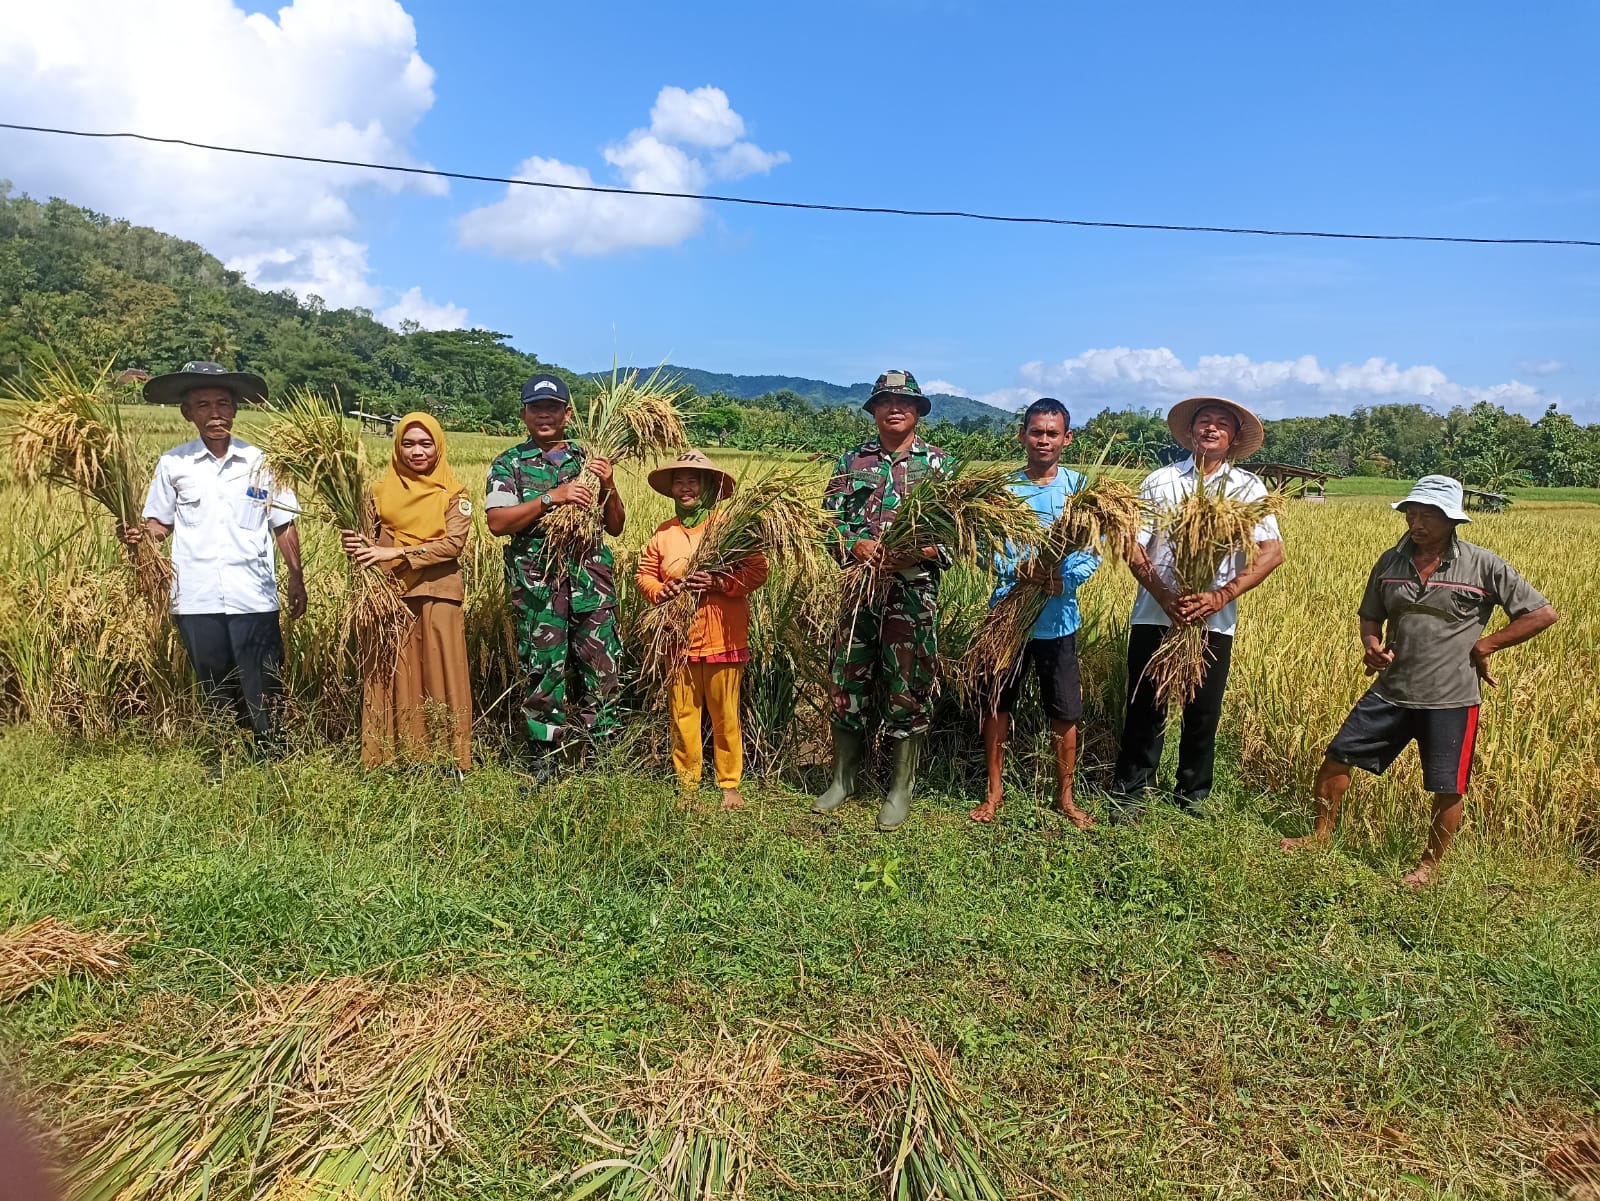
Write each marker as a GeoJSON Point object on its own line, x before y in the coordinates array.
{"type": "Point", "coordinates": [899, 383]}
{"type": "Point", "coordinates": [170, 389]}
{"type": "Point", "coordinates": [661, 478]}
{"type": "Point", "coordinates": [1251, 437]}
{"type": "Point", "coordinates": [1440, 491]}
{"type": "Point", "coordinates": [545, 387]}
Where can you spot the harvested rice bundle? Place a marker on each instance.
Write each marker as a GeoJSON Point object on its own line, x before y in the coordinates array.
{"type": "Point", "coordinates": [967, 510]}
{"type": "Point", "coordinates": [31, 955]}
{"type": "Point", "coordinates": [1204, 529]}
{"type": "Point", "coordinates": [313, 446]}
{"type": "Point", "coordinates": [628, 420]}
{"type": "Point", "coordinates": [694, 1127]}
{"type": "Point", "coordinates": [930, 1147]}
{"type": "Point", "coordinates": [67, 432]}
{"type": "Point", "coordinates": [1103, 517]}
{"type": "Point", "coordinates": [777, 514]}
{"type": "Point", "coordinates": [331, 1089]}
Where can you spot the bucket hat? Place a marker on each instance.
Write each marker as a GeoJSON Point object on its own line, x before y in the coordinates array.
{"type": "Point", "coordinates": [170, 389]}
{"type": "Point", "coordinates": [899, 383]}
{"type": "Point", "coordinates": [691, 460]}
{"type": "Point", "coordinates": [1252, 434]}
{"type": "Point", "coordinates": [1440, 491]}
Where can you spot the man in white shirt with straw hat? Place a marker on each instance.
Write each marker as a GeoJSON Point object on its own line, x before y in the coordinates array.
{"type": "Point", "coordinates": [1218, 433]}
{"type": "Point", "coordinates": [217, 502]}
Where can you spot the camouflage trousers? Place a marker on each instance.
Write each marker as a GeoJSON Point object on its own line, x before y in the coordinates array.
{"type": "Point", "coordinates": [570, 661]}
{"type": "Point", "coordinates": [891, 649]}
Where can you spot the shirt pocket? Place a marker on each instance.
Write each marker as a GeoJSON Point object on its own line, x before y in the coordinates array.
{"type": "Point", "coordinates": [250, 508]}
{"type": "Point", "coordinates": [1462, 605]}
{"type": "Point", "coordinates": [186, 502]}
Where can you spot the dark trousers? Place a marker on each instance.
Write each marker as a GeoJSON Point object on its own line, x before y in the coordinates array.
{"type": "Point", "coordinates": [238, 661]}
{"type": "Point", "coordinates": [1144, 730]}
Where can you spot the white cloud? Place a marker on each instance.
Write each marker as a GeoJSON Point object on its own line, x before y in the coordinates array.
{"type": "Point", "coordinates": [1542, 366]}
{"type": "Point", "coordinates": [693, 136]}
{"type": "Point", "coordinates": [1122, 376]}
{"type": "Point", "coordinates": [702, 117]}
{"type": "Point", "coordinates": [413, 306]}
{"type": "Point", "coordinates": [336, 78]}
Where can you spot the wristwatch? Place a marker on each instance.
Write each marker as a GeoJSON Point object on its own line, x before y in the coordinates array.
{"type": "Point", "coordinates": [544, 498]}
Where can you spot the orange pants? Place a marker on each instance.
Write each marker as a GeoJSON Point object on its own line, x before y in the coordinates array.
{"type": "Point", "coordinates": [697, 688]}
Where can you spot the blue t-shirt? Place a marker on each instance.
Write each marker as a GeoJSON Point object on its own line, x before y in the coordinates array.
{"type": "Point", "coordinates": [1060, 616]}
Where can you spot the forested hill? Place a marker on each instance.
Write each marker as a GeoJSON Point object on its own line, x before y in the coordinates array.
{"type": "Point", "coordinates": [826, 395]}
{"type": "Point", "coordinates": [97, 291]}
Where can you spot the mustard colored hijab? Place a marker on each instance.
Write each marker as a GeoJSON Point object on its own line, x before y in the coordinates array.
{"type": "Point", "coordinates": [412, 505]}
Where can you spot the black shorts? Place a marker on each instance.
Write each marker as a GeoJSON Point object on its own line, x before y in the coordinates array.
{"type": "Point", "coordinates": [1055, 660]}
{"type": "Point", "coordinates": [1375, 733]}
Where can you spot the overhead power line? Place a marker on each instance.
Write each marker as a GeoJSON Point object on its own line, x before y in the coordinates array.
{"type": "Point", "coordinates": [801, 205]}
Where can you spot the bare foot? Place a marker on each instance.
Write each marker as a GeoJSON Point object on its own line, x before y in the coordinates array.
{"type": "Point", "coordinates": [1300, 844]}
{"type": "Point", "coordinates": [985, 812]}
{"type": "Point", "coordinates": [1420, 876]}
{"type": "Point", "coordinates": [731, 799]}
{"type": "Point", "coordinates": [1069, 810]}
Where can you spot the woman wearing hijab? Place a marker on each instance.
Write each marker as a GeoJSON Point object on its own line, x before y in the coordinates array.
{"type": "Point", "coordinates": [719, 638]}
{"type": "Point", "coordinates": [423, 518]}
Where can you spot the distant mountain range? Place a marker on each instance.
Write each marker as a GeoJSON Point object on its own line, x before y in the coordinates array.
{"type": "Point", "coordinates": [822, 393]}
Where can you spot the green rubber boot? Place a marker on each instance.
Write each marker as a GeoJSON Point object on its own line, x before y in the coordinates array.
{"type": "Point", "coordinates": [898, 805]}
{"type": "Point", "coordinates": [849, 748]}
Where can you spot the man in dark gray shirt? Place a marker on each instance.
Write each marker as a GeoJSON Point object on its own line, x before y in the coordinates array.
{"type": "Point", "coordinates": [1427, 603]}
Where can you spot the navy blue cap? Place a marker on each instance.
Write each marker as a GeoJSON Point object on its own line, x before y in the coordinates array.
{"type": "Point", "coordinates": [545, 387]}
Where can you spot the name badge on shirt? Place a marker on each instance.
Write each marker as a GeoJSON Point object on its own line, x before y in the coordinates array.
{"type": "Point", "coordinates": [250, 512]}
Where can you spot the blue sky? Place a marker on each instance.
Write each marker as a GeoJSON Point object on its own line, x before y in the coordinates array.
{"type": "Point", "coordinates": [1470, 119]}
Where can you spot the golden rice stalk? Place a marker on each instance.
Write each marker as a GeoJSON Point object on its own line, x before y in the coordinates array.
{"type": "Point", "coordinates": [334, 1089]}
{"type": "Point", "coordinates": [66, 431]}
{"type": "Point", "coordinates": [777, 514]}
{"type": "Point", "coordinates": [1103, 517]}
{"type": "Point", "coordinates": [627, 420]}
{"type": "Point", "coordinates": [929, 1144]}
{"type": "Point", "coordinates": [47, 949]}
{"type": "Point", "coordinates": [968, 511]}
{"type": "Point", "coordinates": [1202, 531]}
{"type": "Point", "coordinates": [689, 1128]}
{"type": "Point", "coordinates": [321, 453]}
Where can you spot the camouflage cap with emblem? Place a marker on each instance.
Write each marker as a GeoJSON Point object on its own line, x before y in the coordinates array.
{"type": "Point", "coordinates": [899, 383]}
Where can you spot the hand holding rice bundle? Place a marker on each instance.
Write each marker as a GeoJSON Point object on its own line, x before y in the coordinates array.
{"type": "Point", "coordinates": [322, 453]}
{"type": "Point", "coordinates": [1206, 527]}
{"type": "Point", "coordinates": [775, 514]}
{"type": "Point", "coordinates": [629, 420]}
{"type": "Point", "coordinates": [67, 432]}
{"type": "Point", "coordinates": [968, 512]}
{"type": "Point", "coordinates": [1102, 517]}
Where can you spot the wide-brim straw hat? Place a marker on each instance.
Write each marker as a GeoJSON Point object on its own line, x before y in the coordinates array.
{"type": "Point", "coordinates": [691, 460]}
{"type": "Point", "coordinates": [1252, 434]}
{"type": "Point", "coordinates": [170, 389]}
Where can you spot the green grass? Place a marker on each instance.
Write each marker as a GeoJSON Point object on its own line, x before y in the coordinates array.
{"type": "Point", "coordinates": [1173, 1010]}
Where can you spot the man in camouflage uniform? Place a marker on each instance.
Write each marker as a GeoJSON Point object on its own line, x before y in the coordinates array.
{"type": "Point", "coordinates": [892, 639]}
{"type": "Point", "coordinates": [566, 612]}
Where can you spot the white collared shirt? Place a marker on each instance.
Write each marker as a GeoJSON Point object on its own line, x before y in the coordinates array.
{"type": "Point", "coordinates": [1165, 488]}
{"type": "Point", "coordinates": [222, 513]}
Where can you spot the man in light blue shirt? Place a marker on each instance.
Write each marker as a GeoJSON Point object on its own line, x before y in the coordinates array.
{"type": "Point", "coordinates": [1044, 486]}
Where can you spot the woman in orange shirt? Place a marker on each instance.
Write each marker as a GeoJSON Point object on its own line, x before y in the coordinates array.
{"type": "Point", "coordinates": [718, 646]}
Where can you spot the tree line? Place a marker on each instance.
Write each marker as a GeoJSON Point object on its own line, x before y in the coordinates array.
{"type": "Point", "coordinates": [94, 291]}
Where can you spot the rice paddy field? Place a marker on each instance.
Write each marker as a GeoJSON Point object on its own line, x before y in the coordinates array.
{"type": "Point", "coordinates": [314, 981]}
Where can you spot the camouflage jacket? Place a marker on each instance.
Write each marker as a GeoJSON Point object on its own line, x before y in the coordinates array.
{"type": "Point", "coordinates": [867, 487]}
{"type": "Point", "coordinates": [519, 475]}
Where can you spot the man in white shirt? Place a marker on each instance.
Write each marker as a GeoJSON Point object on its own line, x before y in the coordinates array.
{"type": "Point", "coordinates": [1217, 433]}
{"type": "Point", "coordinates": [217, 502]}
